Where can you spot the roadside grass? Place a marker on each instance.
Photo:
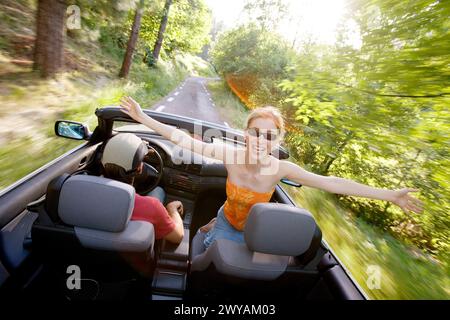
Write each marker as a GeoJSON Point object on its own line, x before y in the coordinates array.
{"type": "Point", "coordinates": [23, 156]}
{"type": "Point", "coordinates": [74, 96]}
{"type": "Point", "coordinates": [229, 106]}
{"type": "Point", "coordinates": [197, 66]}
{"type": "Point", "coordinates": [404, 274]}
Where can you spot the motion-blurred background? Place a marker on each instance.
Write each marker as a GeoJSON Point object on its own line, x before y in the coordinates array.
{"type": "Point", "coordinates": [364, 86]}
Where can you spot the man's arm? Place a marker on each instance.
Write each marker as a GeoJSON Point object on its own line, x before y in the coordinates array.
{"type": "Point", "coordinates": [177, 234]}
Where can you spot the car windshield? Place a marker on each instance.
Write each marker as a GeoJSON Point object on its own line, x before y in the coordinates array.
{"type": "Point", "coordinates": [123, 126]}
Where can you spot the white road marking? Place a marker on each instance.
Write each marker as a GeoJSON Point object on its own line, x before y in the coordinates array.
{"type": "Point", "coordinates": [170, 99]}
{"type": "Point", "coordinates": [176, 93]}
{"type": "Point", "coordinates": [226, 124]}
{"type": "Point", "coordinates": [160, 108]}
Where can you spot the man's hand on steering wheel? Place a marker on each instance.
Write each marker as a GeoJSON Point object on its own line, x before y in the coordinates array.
{"type": "Point", "coordinates": [150, 176]}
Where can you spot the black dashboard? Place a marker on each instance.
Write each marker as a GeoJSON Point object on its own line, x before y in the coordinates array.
{"type": "Point", "coordinates": [187, 162]}
{"type": "Point", "coordinates": [185, 174]}
{"type": "Point", "coordinates": [152, 159]}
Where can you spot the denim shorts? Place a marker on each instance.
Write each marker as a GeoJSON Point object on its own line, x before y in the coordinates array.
{"type": "Point", "coordinates": [223, 230]}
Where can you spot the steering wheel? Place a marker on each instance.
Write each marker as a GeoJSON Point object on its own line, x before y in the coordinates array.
{"type": "Point", "coordinates": [150, 176]}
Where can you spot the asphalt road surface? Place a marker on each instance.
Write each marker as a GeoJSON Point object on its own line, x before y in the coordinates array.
{"type": "Point", "coordinates": [191, 99]}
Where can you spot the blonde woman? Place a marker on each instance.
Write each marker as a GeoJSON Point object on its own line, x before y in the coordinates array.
{"type": "Point", "coordinates": [253, 172]}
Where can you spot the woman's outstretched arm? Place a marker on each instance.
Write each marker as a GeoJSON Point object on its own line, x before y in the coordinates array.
{"type": "Point", "coordinates": [211, 150]}
{"type": "Point", "coordinates": [348, 187]}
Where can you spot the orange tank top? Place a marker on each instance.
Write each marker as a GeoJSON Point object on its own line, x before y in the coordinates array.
{"type": "Point", "coordinates": [239, 201]}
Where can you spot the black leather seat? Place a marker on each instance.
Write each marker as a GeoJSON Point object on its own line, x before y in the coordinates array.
{"type": "Point", "coordinates": [279, 259]}
{"type": "Point", "coordinates": [85, 221]}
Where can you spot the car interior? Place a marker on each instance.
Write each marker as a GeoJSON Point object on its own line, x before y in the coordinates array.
{"type": "Point", "coordinates": [67, 214]}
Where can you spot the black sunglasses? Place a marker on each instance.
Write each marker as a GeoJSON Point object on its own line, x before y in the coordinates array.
{"type": "Point", "coordinates": [268, 134]}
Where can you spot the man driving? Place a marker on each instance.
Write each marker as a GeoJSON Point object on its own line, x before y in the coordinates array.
{"type": "Point", "coordinates": [122, 160]}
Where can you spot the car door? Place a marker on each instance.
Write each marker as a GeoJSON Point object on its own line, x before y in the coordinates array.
{"type": "Point", "coordinates": [17, 264]}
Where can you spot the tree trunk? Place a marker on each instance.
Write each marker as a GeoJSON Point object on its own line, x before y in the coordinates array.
{"type": "Point", "coordinates": [126, 64]}
{"type": "Point", "coordinates": [329, 160]}
{"type": "Point", "coordinates": [162, 29]}
{"type": "Point", "coordinates": [49, 43]}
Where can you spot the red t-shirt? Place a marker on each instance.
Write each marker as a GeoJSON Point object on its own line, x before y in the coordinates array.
{"type": "Point", "coordinates": [152, 210]}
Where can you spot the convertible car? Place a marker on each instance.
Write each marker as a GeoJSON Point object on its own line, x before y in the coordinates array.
{"type": "Point", "coordinates": [66, 230]}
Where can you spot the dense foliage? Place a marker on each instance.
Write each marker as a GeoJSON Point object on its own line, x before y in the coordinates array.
{"type": "Point", "coordinates": [376, 112]}
{"type": "Point", "coordinates": [256, 55]}
{"type": "Point", "coordinates": [93, 55]}
{"type": "Point", "coordinates": [187, 29]}
{"type": "Point", "coordinates": [188, 26]}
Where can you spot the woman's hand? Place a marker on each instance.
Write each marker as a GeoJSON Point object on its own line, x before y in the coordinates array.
{"type": "Point", "coordinates": [132, 108]}
{"type": "Point", "coordinates": [402, 199]}
{"type": "Point", "coordinates": [350, 188]}
{"type": "Point", "coordinates": [178, 137]}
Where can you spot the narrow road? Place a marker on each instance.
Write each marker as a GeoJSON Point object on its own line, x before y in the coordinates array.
{"type": "Point", "coordinates": [191, 99]}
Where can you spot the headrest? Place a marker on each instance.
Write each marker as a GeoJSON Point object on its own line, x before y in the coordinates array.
{"type": "Point", "coordinates": [96, 203]}
{"type": "Point", "coordinates": [280, 229]}
{"type": "Point", "coordinates": [52, 196]}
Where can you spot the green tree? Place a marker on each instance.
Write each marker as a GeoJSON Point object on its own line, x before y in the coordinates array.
{"type": "Point", "coordinates": [161, 30]}
{"type": "Point", "coordinates": [375, 113]}
{"type": "Point", "coordinates": [187, 29]}
{"type": "Point", "coordinates": [267, 14]}
{"type": "Point", "coordinates": [379, 115]}
{"type": "Point", "coordinates": [134, 34]}
{"type": "Point", "coordinates": [251, 53]}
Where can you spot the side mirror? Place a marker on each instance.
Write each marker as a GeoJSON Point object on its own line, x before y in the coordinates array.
{"type": "Point", "coordinates": [71, 130]}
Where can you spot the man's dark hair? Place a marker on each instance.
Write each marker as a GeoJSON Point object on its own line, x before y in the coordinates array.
{"type": "Point", "coordinates": [116, 172]}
